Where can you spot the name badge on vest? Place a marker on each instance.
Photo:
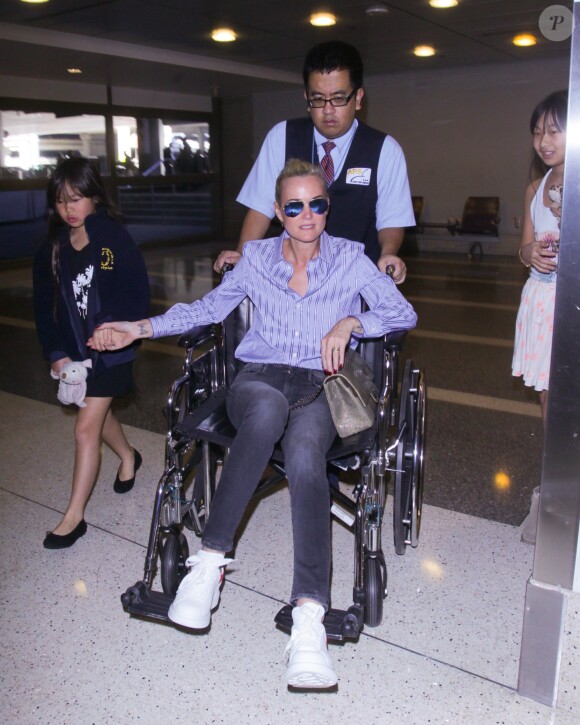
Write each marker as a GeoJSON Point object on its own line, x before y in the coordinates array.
{"type": "Point", "coordinates": [358, 176]}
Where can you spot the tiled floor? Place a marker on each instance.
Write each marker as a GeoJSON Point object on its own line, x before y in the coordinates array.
{"type": "Point", "coordinates": [448, 648]}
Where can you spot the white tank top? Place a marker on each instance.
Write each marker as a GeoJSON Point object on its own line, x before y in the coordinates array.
{"type": "Point", "coordinates": [546, 226]}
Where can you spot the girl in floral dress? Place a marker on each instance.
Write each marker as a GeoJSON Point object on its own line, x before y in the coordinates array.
{"type": "Point", "coordinates": [539, 252]}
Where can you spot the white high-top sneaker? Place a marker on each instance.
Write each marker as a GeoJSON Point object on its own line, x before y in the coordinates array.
{"type": "Point", "coordinates": [309, 664]}
{"type": "Point", "coordinates": [199, 591]}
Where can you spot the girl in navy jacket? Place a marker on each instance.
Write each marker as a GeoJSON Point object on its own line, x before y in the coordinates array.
{"type": "Point", "coordinates": [89, 271]}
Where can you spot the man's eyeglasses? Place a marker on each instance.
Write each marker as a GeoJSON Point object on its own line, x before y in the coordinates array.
{"type": "Point", "coordinates": [318, 206]}
{"type": "Point", "coordinates": [335, 101]}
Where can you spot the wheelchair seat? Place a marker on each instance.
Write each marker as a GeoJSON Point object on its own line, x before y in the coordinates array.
{"type": "Point", "coordinates": [200, 434]}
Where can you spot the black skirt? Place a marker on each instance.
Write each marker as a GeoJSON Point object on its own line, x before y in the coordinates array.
{"type": "Point", "coordinates": [114, 382]}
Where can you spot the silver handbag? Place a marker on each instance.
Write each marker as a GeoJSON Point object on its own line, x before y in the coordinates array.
{"type": "Point", "coordinates": [352, 395]}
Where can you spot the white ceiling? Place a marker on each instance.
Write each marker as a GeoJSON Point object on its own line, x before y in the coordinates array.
{"type": "Point", "coordinates": [166, 45]}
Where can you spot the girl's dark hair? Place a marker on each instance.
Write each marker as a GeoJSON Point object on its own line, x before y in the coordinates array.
{"type": "Point", "coordinates": [81, 175]}
{"type": "Point", "coordinates": [554, 106]}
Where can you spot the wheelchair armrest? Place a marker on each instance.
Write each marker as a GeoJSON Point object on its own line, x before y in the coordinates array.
{"type": "Point", "coordinates": [394, 340]}
{"type": "Point", "coordinates": [197, 336]}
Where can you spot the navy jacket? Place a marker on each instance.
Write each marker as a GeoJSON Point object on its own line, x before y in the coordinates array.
{"type": "Point", "coordinates": [119, 291]}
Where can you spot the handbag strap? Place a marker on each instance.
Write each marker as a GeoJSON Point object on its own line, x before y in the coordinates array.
{"type": "Point", "coordinates": [303, 402]}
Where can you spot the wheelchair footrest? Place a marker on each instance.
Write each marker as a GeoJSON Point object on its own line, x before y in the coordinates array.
{"type": "Point", "coordinates": [339, 625]}
{"type": "Point", "coordinates": [143, 602]}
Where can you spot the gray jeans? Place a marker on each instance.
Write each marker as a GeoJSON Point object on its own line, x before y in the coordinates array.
{"type": "Point", "coordinates": [258, 405]}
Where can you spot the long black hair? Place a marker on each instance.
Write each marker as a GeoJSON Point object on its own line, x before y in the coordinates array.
{"type": "Point", "coordinates": [555, 108]}
{"type": "Point", "coordinates": [82, 176]}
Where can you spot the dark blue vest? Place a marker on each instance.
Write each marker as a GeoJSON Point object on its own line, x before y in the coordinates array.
{"type": "Point", "coordinates": [352, 206]}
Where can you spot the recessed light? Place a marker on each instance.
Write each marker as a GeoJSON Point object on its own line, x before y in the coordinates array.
{"type": "Point", "coordinates": [444, 3]}
{"type": "Point", "coordinates": [423, 51]}
{"type": "Point", "coordinates": [72, 70]}
{"type": "Point", "coordinates": [322, 20]}
{"type": "Point", "coordinates": [223, 35]}
{"type": "Point", "coordinates": [524, 40]}
{"type": "Point", "coordinates": [377, 9]}
{"type": "Point", "coordinates": [34, 2]}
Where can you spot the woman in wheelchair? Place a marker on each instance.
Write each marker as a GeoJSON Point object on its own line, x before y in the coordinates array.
{"type": "Point", "coordinates": [306, 287]}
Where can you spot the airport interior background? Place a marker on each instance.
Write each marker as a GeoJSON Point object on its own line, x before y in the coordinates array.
{"type": "Point", "coordinates": [174, 122]}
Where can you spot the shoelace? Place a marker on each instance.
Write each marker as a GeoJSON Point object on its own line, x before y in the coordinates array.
{"type": "Point", "coordinates": [199, 568]}
{"type": "Point", "coordinates": [306, 634]}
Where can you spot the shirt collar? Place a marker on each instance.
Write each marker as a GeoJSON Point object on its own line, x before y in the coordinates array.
{"type": "Point", "coordinates": [325, 252]}
{"type": "Point", "coordinates": [278, 248]}
{"type": "Point", "coordinates": [341, 142]}
{"type": "Point", "coordinates": [325, 248]}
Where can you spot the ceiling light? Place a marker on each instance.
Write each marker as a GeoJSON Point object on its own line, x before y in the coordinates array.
{"type": "Point", "coordinates": [524, 40]}
{"type": "Point", "coordinates": [322, 20]}
{"type": "Point", "coordinates": [444, 3]}
{"type": "Point", "coordinates": [423, 51]}
{"type": "Point", "coordinates": [70, 70]}
{"type": "Point", "coordinates": [377, 9]}
{"type": "Point", "coordinates": [36, 2]}
{"type": "Point", "coordinates": [223, 35]}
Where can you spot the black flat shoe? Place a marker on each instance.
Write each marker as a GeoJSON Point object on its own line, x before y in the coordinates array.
{"type": "Point", "coordinates": [55, 541]}
{"type": "Point", "coordinates": [125, 486]}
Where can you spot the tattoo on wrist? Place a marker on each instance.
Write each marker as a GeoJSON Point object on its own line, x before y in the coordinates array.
{"type": "Point", "coordinates": [142, 329]}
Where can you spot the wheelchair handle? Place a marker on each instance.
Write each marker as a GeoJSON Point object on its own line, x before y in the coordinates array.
{"type": "Point", "coordinates": [390, 270]}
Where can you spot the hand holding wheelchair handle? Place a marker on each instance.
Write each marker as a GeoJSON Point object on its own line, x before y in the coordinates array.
{"type": "Point", "coordinates": [226, 261]}
{"type": "Point", "coordinates": [393, 266]}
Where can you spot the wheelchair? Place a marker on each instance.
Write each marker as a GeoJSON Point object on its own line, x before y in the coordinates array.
{"type": "Point", "coordinates": [199, 435]}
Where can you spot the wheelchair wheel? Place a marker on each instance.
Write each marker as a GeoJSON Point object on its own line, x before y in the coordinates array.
{"type": "Point", "coordinates": [408, 496]}
{"type": "Point", "coordinates": [400, 504]}
{"type": "Point", "coordinates": [374, 592]}
{"type": "Point", "coordinates": [173, 556]}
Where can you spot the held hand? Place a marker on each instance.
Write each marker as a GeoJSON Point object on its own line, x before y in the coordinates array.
{"type": "Point", "coordinates": [226, 257]}
{"type": "Point", "coordinates": [334, 343]}
{"type": "Point", "coordinates": [399, 267]}
{"type": "Point", "coordinates": [117, 335]}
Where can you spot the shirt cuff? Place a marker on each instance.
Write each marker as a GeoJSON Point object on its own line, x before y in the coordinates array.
{"type": "Point", "coordinates": [157, 326]}
{"type": "Point", "coordinates": [57, 355]}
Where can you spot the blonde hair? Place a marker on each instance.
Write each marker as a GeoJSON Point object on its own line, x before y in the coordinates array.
{"type": "Point", "coordinates": [297, 167]}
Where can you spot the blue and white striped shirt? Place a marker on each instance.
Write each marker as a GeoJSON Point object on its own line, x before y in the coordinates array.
{"type": "Point", "coordinates": [287, 328]}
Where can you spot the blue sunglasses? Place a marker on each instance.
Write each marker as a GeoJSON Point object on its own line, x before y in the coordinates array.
{"type": "Point", "coordinates": [318, 206]}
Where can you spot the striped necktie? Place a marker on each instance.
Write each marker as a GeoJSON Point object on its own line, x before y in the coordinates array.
{"type": "Point", "coordinates": [327, 163]}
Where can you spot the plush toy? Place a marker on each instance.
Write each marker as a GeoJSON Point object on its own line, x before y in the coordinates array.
{"type": "Point", "coordinates": [73, 382]}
